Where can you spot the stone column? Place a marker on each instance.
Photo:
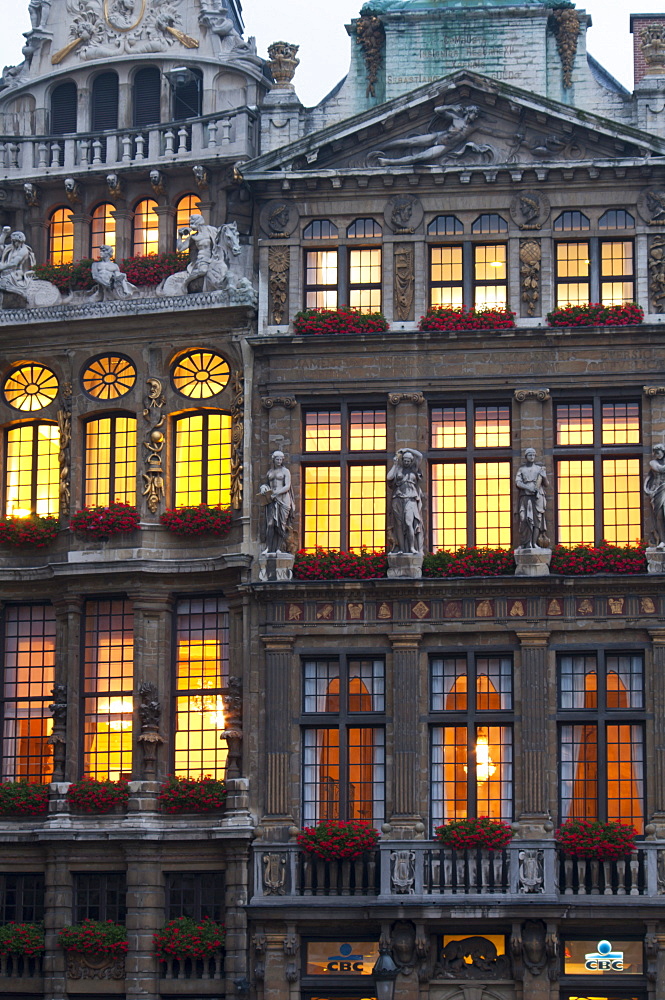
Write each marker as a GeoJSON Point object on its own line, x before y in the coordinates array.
{"type": "Point", "coordinates": [145, 916]}
{"type": "Point", "coordinates": [167, 237]}
{"type": "Point", "coordinates": [58, 900]}
{"type": "Point", "coordinates": [276, 727]}
{"type": "Point", "coordinates": [275, 985]}
{"type": "Point", "coordinates": [124, 247]}
{"type": "Point", "coordinates": [658, 709]}
{"type": "Point", "coordinates": [68, 625]}
{"type": "Point", "coordinates": [235, 916]}
{"type": "Point", "coordinates": [534, 818]}
{"type": "Point", "coordinates": [152, 659]}
{"type": "Point", "coordinates": [406, 818]}
{"type": "Point", "coordinates": [81, 223]}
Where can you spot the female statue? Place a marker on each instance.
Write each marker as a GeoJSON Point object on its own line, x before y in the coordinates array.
{"type": "Point", "coordinates": [280, 505]}
{"type": "Point", "coordinates": [654, 487]}
{"type": "Point", "coordinates": [407, 501]}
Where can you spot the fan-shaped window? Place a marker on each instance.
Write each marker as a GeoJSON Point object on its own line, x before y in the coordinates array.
{"type": "Point", "coordinates": [363, 229]}
{"type": "Point", "coordinates": [445, 225]}
{"type": "Point", "coordinates": [573, 222]}
{"type": "Point", "coordinates": [30, 387]}
{"type": "Point", "coordinates": [63, 108]}
{"type": "Point", "coordinates": [61, 237]}
{"type": "Point", "coordinates": [200, 374]}
{"type": "Point", "coordinates": [109, 377]}
{"type": "Point", "coordinates": [110, 460]}
{"type": "Point", "coordinates": [104, 102]}
{"type": "Point", "coordinates": [146, 228]}
{"type": "Point", "coordinates": [320, 229]}
{"type": "Point", "coordinates": [102, 231]}
{"type": "Point", "coordinates": [616, 218]}
{"type": "Point", "coordinates": [187, 92]}
{"type": "Point", "coordinates": [32, 469]}
{"type": "Point", "coordinates": [147, 97]}
{"type": "Point", "coordinates": [202, 472]}
{"type": "Point", "coordinates": [491, 223]}
{"type": "Point", "coordinates": [189, 204]}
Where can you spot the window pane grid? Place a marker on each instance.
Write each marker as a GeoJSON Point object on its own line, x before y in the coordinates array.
{"type": "Point", "coordinates": [367, 507]}
{"type": "Point", "coordinates": [108, 690]}
{"type": "Point", "coordinates": [367, 430]}
{"type": "Point", "coordinates": [622, 499]}
{"type": "Point", "coordinates": [492, 427]}
{"type": "Point", "coordinates": [448, 427]}
{"type": "Point", "coordinates": [110, 461]}
{"type": "Point", "coordinates": [575, 492]}
{"type": "Point", "coordinates": [21, 898]}
{"type": "Point", "coordinates": [102, 229]}
{"type": "Point", "coordinates": [32, 471]}
{"type": "Point", "coordinates": [616, 273]}
{"type": "Point", "coordinates": [323, 430]}
{"type": "Point", "coordinates": [189, 204]}
{"type": "Point", "coordinates": [624, 680]}
{"type": "Point", "coordinates": [202, 667]}
{"type": "Point", "coordinates": [446, 270]}
{"type": "Point", "coordinates": [196, 895]}
{"type": "Point", "coordinates": [449, 505]}
{"type": "Point", "coordinates": [203, 460]}
{"type": "Point", "coordinates": [323, 508]}
{"type": "Point", "coordinates": [367, 685]}
{"type": "Point", "coordinates": [572, 271]}
{"type": "Point", "coordinates": [620, 423]}
{"type": "Point", "coordinates": [61, 237]}
{"type": "Point", "coordinates": [453, 767]}
{"type": "Point", "coordinates": [625, 778]}
{"type": "Point", "coordinates": [321, 279]}
{"type": "Point", "coordinates": [100, 896]}
{"type": "Point", "coordinates": [321, 686]}
{"type": "Point", "coordinates": [146, 228]}
{"type": "Point", "coordinates": [574, 424]}
{"type": "Point", "coordinates": [365, 280]}
{"type": "Point", "coordinates": [579, 772]}
{"type": "Point", "coordinates": [489, 267]}
{"type": "Point", "coordinates": [492, 489]}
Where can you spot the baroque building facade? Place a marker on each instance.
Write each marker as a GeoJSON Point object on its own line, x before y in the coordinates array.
{"type": "Point", "coordinates": [474, 155]}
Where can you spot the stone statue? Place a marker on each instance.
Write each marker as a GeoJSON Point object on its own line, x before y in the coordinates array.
{"type": "Point", "coordinates": [112, 283]}
{"type": "Point", "coordinates": [16, 276]}
{"type": "Point", "coordinates": [407, 502]}
{"type": "Point", "coordinates": [459, 122]}
{"type": "Point", "coordinates": [280, 506]}
{"type": "Point", "coordinates": [654, 487]}
{"type": "Point", "coordinates": [531, 480]}
{"type": "Point", "coordinates": [214, 251]}
{"type": "Point", "coordinates": [200, 176]}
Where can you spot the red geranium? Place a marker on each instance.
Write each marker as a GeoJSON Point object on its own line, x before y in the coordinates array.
{"type": "Point", "coordinates": [324, 564]}
{"type": "Point", "coordinates": [596, 314]}
{"type": "Point", "coordinates": [474, 832]}
{"type": "Point", "coordinates": [188, 938]}
{"type": "Point", "coordinates": [102, 522]}
{"type": "Point", "coordinates": [90, 796]}
{"type": "Point", "coordinates": [199, 520]}
{"type": "Point", "coordinates": [342, 320]}
{"type": "Point", "coordinates": [589, 838]}
{"type": "Point", "coordinates": [444, 318]}
{"type": "Point", "coordinates": [94, 937]}
{"type": "Point", "coordinates": [338, 840]}
{"type": "Point", "coordinates": [197, 795]}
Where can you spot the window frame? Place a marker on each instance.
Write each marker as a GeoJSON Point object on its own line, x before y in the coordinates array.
{"type": "Point", "coordinates": [216, 881]}
{"type": "Point", "coordinates": [143, 249]}
{"type": "Point", "coordinates": [113, 416]}
{"type": "Point", "coordinates": [59, 249]}
{"type": "Point", "coordinates": [81, 909]}
{"type": "Point", "coordinates": [109, 208]}
{"type": "Point", "coordinates": [23, 912]}
{"type": "Point", "coordinates": [35, 424]}
{"type": "Point", "coordinates": [205, 412]}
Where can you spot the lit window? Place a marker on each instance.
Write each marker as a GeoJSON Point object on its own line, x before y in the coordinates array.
{"type": "Point", "coordinates": [146, 226]}
{"type": "Point", "coordinates": [363, 229]}
{"type": "Point", "coordinates": [61, 237]}
{"type": "Point", "coordinates": [489, 276]}
{"type": "Point", "coordinates": [321, 279]}
{"type": "Point", "coordinates": [27, 672]}
{"type": "Point", "coordinates": [108, 686]}
{"type": "Point", "coordinates": [189, 204]}
{"type": "Point", "coordinates": [345, 502]}
{"type": "Point", "coordinates": [470, 490]}
{"type": "Point", "coordinates": [573, 222]}
{"type": "Point", "coordinates": [365, 280]}
{"type": "Point", "coordinates": [109, 377]}
{"type": "Point", "coordinates": [445, 225]}
{"type": "Point", "coordinates": [32, 470]}
{"type": "Point", "coordinates": [110, 460]}
{"type": "Point", "coordinates": [617, 284]}
{"type": "Point", "coordinates": [30, 388]}
{"type": "Point", "coordinates": [598, 473]}
{"type": "Point", "coordinates": [343, 760]}
{"type": "Point", "coordinates": [202, 667]}
{"type": "Point", "coordinates": [200, 375]}
{"type": "Point", "coordinates": [472, 754]}
{"type": "Point", "coordinates": [602, 751]}
{"type": "Point", "coordinates": [572, 274]}
{"type": "Point", "coordinates": [203, 459]}
{"type": "Point", "coordinates": [320, 229]}
{"type": "Point", "coordinates": [446, 269]}
{"type": "Point", "coordinates": [102, 229]}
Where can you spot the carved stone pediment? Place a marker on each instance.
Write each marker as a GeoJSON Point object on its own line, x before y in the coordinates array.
{"type": "Point", "coordinates": [464, 120]}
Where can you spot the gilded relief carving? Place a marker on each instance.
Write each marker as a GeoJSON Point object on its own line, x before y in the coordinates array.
{"type": "Point", "coordinates": [530, 254]}
{"type": "Point", "coordinates": [279, 259]}
{"type": "Point", "coordinates": [404, 281]}
{"type": "Point", "coordinates": [153, 442]}
{"type": "Point", "coordinates": [237, 421]}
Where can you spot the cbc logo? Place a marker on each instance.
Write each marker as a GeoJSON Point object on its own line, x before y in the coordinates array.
{"type": "Point", "coordinates": [345, 961]}
{"type": "Point", "coordinates": [604, 960]}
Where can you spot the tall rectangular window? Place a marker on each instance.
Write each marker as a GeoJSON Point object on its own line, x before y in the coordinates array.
{"type": "Point", "coordinates": [345, 499]}
{"type": "Point", "coordinates": [471, 700]}
{"type": "Point", "coordinates": [490, 279]}
{"type": "Point", "coordinates": [110, 461]}
{"type": "Point", "coordinates": [321, 279]}
{"type": "Point", "coordinates": [598, 472]}
{"type": "Point", "coordinates": [601, 736]}
{"type": "Point", "coordinates": [32, 470]}
{"type": "Point", "coordinates": [343, 739]}
{"type": "Point", "coordinates": [471, 479]}
{"type": "Point", "coordinates": [100, 896]}
{"type": "Point", "coordinates": [21, 898]}
{"type": "Point", "coordinates": [202, 671]}
{"type": "Point", "coordinates": [573, 274]}
{"type": "Point", "coordinates": [198, 895]}
{"type": "Point", "coordinates": [365, 279]}
{"type": "Point", "coordinates": [27, 679]}
{"type": "Point", "coordinates": [446, 277]}
{"type": "Point", "coordinates": [202, 467]}
{"type": "Point", "coordinates": [108, 685]}
{"type": "Point", "coordinates": [617, 276]}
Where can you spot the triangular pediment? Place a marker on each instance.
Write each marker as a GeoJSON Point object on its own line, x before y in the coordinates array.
{"type": "Point", "coordinates": [465, 120]}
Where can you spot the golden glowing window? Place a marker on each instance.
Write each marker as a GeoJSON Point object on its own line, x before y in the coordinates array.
{"type": "Point", "coordinates": [102, 229]}
{"type": "Point", "coordinates": [321, 279]}
{"type": "Point", "coordinates": [490, 276]}
{"type": "Point", "coordinates": [446, 269]}
{"type": "Point", "coordinates": [572, 274]}
{"type": "Point", "coordinates": [367, 430]}
{"type": "Point", "coordinates": [110, 460]}
{"type": "Point", "coordinates": [617, 284]}
{"type": "Point", "coordinates": [28, 676]}
{"type": "Point", "coordinates": [445, 225]}
{"type": "Point", "coordinates": [320, 229]}
{"type": "Point", "coordinates": [202, 667]}
{"type": "Point", "coordinates": [109, 377]}
{"type": "Point", "coordinates": [108, 686]}
{"type": "Point", "coordinates": [365, 280]}
{"type": "Point", "coordinates": [32, 470]}
{"type": "Point", "coordinates": [202, 466]}
{"type": "Point", "coordinates": [323, 430]}
{"type": "Point", "coordinates": [322, 520]}
{"type": "Point", "coordinates": [200, 374]}
{"type": "Point", "coordinates": [146, 228]}
{"type": "Point", "coordinates": [189, 204]}
{"type": "Point", "coordinates": [61, 237]}
{"type": "Point", "coordinates": [30, 387]}
{"type": "Point", "coordinates": [367, 507]}
{"type": "Point", "coordinates": [599, 490]}
{"type": "Point", "coordinates": [470, 494]}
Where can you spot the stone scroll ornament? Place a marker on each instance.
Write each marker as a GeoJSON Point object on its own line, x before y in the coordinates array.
{"type": "Point", "coordinates": [153, 443]}
{"type": "Point", "coordinates": [531, 482]}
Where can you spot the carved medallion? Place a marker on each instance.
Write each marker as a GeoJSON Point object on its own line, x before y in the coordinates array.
{"type": "Point", "coordinates": [651, 206]}
{"type": "Point", "coordinates": [529, 209]}
{"type": "Point", "coordinates": [124, 15]}
{"type": "Point", "coordinates": [279, 219]}
{"type": "Point", "coordinates": [403, 214]}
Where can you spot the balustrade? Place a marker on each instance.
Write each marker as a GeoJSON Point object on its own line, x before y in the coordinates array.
{"type": "Point", "coordinates": [20, 966]}
{"type": "Point", "coordinates": [193, 968]}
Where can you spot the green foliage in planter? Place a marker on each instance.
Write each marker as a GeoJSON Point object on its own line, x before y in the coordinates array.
{"type": "Point", "coordinates": [199, 795]}
{"type": "Point", "coordinates": [94, 937]}
{"type": "Point", "coordinates": [342, 320]}
{"type": "Point", "coordinates": [90, 796]}
{"type": "Point", "coordinates": [28, 532]}
{"type": "Point", "coordinates": [588, 838]}
{"type": "Point", "coordinates": [21, 939]}
{"type": "Point", "coordinates": [469, 561]}
{"type": "Point", "coordinates": [199, 520]}
{"type": "Point", "coordinates": [187, 938]}
{"type": "Point", "coordinates": [142, 271]}
{"type": "Point", "coordinates": [338, 840]}
{"type": "Point", "coordinates": [20, 798]}
{"type": "Point", "coordinates": [474, 832]}
{"type": "Point", "coordinates": [73, 277]}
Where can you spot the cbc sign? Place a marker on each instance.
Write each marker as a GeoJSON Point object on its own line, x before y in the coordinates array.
{"type": "Point", "coordinates": [345, 962]}
{"type": "Point", "coordinates": [604, 959]}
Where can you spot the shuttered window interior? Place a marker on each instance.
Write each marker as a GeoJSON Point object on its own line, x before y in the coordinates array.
{"type": "Point", "coordinates": [147, 86]}
{"type": "Point", "coordinates": [63, 108]}
{"type": "Point", "coordinates": [105, 102]}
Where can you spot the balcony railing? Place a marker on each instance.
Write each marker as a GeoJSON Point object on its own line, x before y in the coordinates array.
{"type": "Point", "coordinates": [419, 871]}
{"type": "Point", "coordinates": [193, 968]}
{"type": "Point", "coordinates": [226, 134]}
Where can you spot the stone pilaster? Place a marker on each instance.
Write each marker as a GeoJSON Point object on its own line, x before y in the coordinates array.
{"type": "Point", "coordinates": [167, 236]}
{"type": "Point", "coordinates": [278, 655]}
{"type": "Point", "coordinates": [81, 223]}
{"type": "Point", "coordinates": [68, 624]}
{"type": "Point", "coordinates": [57, 914]}
{"type": "Point", "coordinates": [406, 748]}
{"type": "Point", "coordinates": [123, 233]}
{"type": "Point", "coordinates": [658, 709]}
{"type": "Point", "coordinates": [534, 818]}
{"type": "Point", "coordinates": [145, 916]}
{"type": "Point", "coordinates": [235, 917]}
{"type": "Point", "coordinates": [152, 651]}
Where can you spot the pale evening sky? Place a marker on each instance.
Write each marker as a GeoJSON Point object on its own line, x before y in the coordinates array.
{"type": "Point", "coordinates": [318, 28]}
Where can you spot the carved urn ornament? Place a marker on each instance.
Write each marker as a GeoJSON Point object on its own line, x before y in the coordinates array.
{"type": "Point", "coordinates": [283, 62]}
{"type": "Point", "coordinates": [652, 43]}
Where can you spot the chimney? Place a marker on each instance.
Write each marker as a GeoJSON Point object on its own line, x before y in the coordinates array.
{"type": "Point", "coordinates": [648, 32]}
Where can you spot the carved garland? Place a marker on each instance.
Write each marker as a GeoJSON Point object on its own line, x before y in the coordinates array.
{"type": "Point", "coordinates": [371, 37]}
{"type": "Point", "coordinates": [404, 281]}
{"type": "Point", "coordinates": [64, 418]}
{"type": "Point", "coordinates": [279, 259]}
{"type": "Point", "coordinates": [530, 255]}
{"type": "Point", "coordinates": [237, 421]}
{"type": "Point", "coordinates": [153, 477]}
{"type": "Point", "coordinates": [565, 24]}
{"type": "Point", "coordinates": [657, 273]}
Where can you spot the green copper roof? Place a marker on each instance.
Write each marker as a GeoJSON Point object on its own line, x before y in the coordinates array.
{"type": "Point", "coordinates": [385, 6]}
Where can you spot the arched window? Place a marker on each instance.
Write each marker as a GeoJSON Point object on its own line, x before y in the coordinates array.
{"type": "Point", "coordinates": [189, 204]}
{"type": "Point", "coordinates": [104, 102]}
{"type": "Point", "coordinates": [616, 218]}
{"type": "Point", "coordinates": [491, 223]}
{"type": "Point", "coordinates": [202, 468]}
{"type": "Point", "coordinates": [63, 108]}
{"type": "Point", "coordinates": [320, 229]}
{"type": "Point", "coordinates": [573, 222]}
{"type": "Point", "coordinates": [445, 225]}
{"type": "Point", "coordinates": [187, 93]}
{"type": "Point", "coordinates": [363, 229]}
{"type": "Point", "coordinates": [102, 232]}
{"type": "Point", "coordinates": [147, 97]}
{"type": "Point", "coordinates": [110, 460]}
{"type": "Point", "coordinates": [146, 226]}
{"type": "Point", "coordinates": [61, 237]}
{"type": "Point", "coordinates": [32, 469]}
